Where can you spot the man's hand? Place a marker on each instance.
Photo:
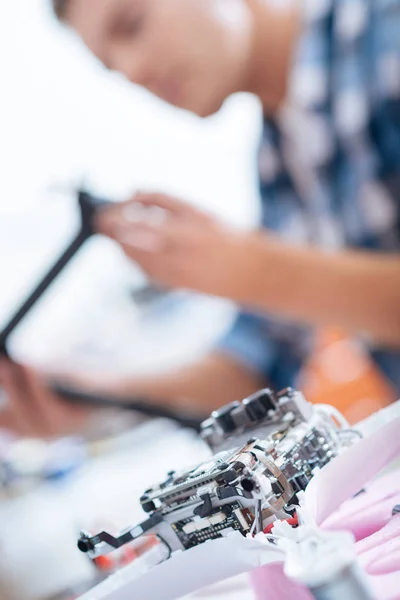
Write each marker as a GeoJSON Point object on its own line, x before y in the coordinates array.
{"type": "Point", "coordinates": [31, 409]}
{"type": "Point", "coordinates": [180, 246]}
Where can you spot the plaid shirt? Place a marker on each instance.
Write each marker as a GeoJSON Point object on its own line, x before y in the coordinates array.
{"type": "Point", "coordinates": [329, 163]}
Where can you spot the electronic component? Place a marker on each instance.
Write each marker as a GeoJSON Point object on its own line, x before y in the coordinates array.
{"type": "Point", "coordinates": [256, 416]}
{"type": "Point", "coordinates": [244, 487]}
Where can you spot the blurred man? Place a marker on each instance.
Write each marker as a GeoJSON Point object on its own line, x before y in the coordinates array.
{"type": "Point", "coordinates": [328, 76]}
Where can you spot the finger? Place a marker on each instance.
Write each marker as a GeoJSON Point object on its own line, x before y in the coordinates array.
{"type": "Point", "coordinates": [169, 203]}
{"type": "Point", "coordinates": [113, 222]}
{"type": "Point", "coordinates": [150, 208]}
{"type": "Point", "coordinates": [9, 423]}
{"type": "Point", "coordinates": [160, 268]}
{"type": "Point", "coordinates": [39, 395]}
{"type": "Point", "coordinates": [33, 402]}
{"type": "Point", "coordinates": [56, 417]}
{"type": "Point", "coordinates": [15, 415]}
{"type": "Point", "coordinates": [143, 237]}
{"type": "Point", "coordinates": [107, 220]}
{"type": "Point", "coordinates": [145, 260]}
{"type": "Point", "coordinates": [112, 215]}
{"type": "Point", "coordinates": [135, 212]}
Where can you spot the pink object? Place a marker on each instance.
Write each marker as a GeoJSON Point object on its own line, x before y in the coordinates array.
{"type": "Point", "coordinates": [387, 564]}
{"type": "Point", "coordinates": [368, 512]}
{"type": "Point", "coordinates": [345, 476]}
{"type": "Point", "coordinates": [270, 583]}
{"type": "Point", "coordinates": [368, 516]}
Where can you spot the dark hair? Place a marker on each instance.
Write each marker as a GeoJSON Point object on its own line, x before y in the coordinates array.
{"type": "Point", "coordinates": [59, 7]}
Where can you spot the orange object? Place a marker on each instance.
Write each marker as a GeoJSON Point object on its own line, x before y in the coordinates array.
{"type": "Point", "coordinates": [104, 563]}
{"type": "Point", "coordinates": [125, 555]}
{"type": "Point", "coordinates": [340, 372]}
{"type": "Point", "coordinates": [293, 521]}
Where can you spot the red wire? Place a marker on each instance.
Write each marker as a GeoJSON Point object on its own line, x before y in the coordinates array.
{"type": "Point", "coordinates": [293, 521]}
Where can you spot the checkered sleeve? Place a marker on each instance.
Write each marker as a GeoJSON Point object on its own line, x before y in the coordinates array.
{"type": "Point", "coordinates": [253, 344]}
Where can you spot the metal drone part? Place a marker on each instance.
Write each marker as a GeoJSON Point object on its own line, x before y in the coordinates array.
{"type": "Point", "coordinates": [257, 415]}
{"type": "Point", "coordinates": [243, 488]}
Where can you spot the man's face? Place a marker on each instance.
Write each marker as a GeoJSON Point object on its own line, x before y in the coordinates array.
{"type": "Point", "coordinates": [191, 53]}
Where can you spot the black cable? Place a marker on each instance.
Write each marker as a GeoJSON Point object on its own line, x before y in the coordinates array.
{"type": "Point", "coordinates": [89, 206]}
{"type": "Point", "coordinates": [140, 405]}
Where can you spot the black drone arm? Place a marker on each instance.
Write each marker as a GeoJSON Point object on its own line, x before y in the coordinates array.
{"type": "Point", "coordinates": [90, 544]}
{"type": "Point", "coordinates": [89, 207]}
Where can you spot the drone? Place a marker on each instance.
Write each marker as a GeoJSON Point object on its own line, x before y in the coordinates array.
{"type": "Point", "coordinates": [267, 449]}
{"type": "Point", "coordinates": [279, 467]}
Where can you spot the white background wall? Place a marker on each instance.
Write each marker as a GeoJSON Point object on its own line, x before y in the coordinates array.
{"type": "Point", "coordinates": [63, 119]}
